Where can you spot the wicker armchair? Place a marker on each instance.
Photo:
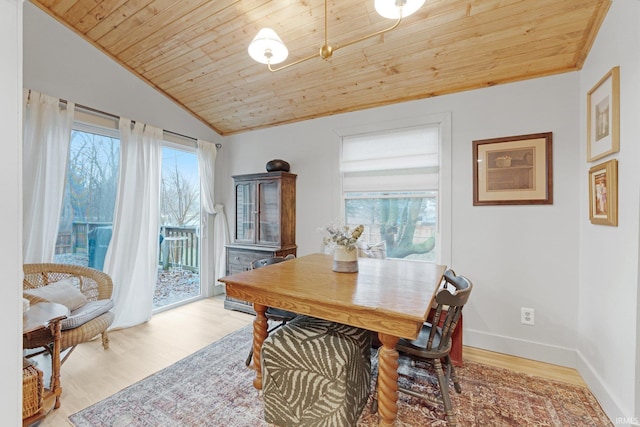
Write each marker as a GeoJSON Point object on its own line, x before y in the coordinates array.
{"type": "Point", "coordinates": [95, 285]}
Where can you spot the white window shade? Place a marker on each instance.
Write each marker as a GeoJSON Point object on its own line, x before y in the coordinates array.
{"type": "Point", "coordinates": [398, 160]}
{"type": "Point", "coordinates": [391, 180]}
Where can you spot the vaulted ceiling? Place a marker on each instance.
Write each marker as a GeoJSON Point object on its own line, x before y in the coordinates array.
{"type": "Point", "coordinates": [195, 51]}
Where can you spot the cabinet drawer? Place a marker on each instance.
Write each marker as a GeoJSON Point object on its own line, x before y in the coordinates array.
{"type": "Point", "coordinates": [236, 268]}
{"type": "Point", "coordinates": [240, 260]}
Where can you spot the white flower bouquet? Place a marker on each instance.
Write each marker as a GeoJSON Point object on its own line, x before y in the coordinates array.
{"type": "Point", "coordinates": [343, 236]}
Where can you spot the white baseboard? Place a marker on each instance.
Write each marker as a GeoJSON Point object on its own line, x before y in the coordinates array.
{"type": "Point", "coordinates": [556, 355]}
{"type": "Point", "coordinates": [617, 415]}
{"type": "Point", "coordinates": [218, 289]}
{"type": "Point", "coordinates": [626, 421]}
{"type": "Point", "coordinates": [526, 349]}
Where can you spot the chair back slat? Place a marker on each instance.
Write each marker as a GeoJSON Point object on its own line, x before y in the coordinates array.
{"type": "Point", "coordinates": [437, 314]}
{"type": "Point", "coordinates": [266, 261]}
{"type": "Point", "coordinates": [449, 325]}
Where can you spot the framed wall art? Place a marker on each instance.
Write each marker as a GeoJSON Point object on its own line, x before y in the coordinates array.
{"type": "Point", "coordinates": [603, 193]}
{"type": "Point", "coordinates": [514, 170]}
{"type": "Point", "coordinates": [603, 116]}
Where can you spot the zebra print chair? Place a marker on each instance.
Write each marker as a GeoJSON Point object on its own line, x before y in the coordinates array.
{"type": "Point", "coordinates": [315, 373]}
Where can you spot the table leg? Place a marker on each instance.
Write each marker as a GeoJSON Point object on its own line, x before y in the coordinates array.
{"type": "Point", "coordinates": [259, 335]}
{"type": "Point", "coordinates": [387, 380]}
{"type": "Point", "coordinates": [56, 331]}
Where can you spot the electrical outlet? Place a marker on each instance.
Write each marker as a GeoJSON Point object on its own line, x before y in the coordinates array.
{"type": "Point", "coordinates": [527, 316]}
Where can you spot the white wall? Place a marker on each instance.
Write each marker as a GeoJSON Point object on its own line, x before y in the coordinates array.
{"type": "Point", "coordinates": [60, 63]}
{"type": "Point", "coordinates": [608, 265]}
{"type": "Point", "coordinates": [11, 213]}
{"type": "Point", "coordinates": [516, 255]}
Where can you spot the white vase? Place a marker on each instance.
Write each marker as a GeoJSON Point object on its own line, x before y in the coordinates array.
{"type": "Point", "coordinates": [345, 261]}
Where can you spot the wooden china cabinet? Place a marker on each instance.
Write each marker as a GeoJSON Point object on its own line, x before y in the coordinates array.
{"type": "Point", "coordinates": [265, 223]}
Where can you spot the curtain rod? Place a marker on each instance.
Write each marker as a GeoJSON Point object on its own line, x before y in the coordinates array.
{"type": "Point", "coordinates": [113, 116]}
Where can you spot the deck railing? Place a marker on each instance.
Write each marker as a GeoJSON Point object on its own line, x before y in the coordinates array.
{"type": "Point", "coordinates": [184, 242]}
{"type": "Point", "coordinates": [182, 252]}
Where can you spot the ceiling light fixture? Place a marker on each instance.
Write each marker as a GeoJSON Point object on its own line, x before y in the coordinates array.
{"type": "Point", "coordinates": [268, 48]}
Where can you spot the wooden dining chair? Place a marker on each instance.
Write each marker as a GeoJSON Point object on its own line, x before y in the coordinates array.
{"type": "Point", "coordinates": [278, 316]}
{"type": "Point", "coordinates": [433, 344]}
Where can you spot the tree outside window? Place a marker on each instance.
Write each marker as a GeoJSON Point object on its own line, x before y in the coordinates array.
{"type": "Point", "coordinates": [406, 222]}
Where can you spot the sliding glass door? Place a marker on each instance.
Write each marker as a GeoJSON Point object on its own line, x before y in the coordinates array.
{"type": "Point", "coordinates": [179, 235]}
{"type": "Point", "coordinates": [86, 222]}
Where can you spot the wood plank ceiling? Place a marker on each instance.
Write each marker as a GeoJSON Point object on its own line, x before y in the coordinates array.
{"type": "Point", "coordinates": [195, 51]}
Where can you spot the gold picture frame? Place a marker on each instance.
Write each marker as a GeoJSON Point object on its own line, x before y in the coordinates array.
{"type": "Point", "coordinates": [603, 116]}
{"type": "Point", "coordinates": [603, 193]}
{"type": "Point", "coordinates": [513, 170]}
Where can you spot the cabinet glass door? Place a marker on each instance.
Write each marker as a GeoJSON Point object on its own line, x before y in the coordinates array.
{"type": "Point", "coordinates": [269, 213]}
{"type": "Point", "coordinates": [245, 212]}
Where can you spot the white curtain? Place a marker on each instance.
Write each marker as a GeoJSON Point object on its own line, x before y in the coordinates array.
{"type": "Point", "coordinates": [221, 235]}
{"type": "Point", "coordinates": [207, 154]}
{"type": "Point", "coordinates": [131, 259]}
{"type": "Point", "coordinates": [46, 135]}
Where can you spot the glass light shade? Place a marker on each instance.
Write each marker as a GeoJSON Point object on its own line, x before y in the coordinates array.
{"type": "Point", "coordinates": [268, 41]}
{"type": "Point", "coordinates": [391, 8]}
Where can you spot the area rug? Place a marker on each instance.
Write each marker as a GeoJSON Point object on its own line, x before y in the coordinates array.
{"type": "Point", "coordinates": [213, 387]}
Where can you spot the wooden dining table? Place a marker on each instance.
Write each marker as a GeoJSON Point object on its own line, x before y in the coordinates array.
{"type": "Point", "coordinates": [390, 297]}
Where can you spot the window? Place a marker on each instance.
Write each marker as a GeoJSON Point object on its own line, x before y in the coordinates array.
{"type": "Point", "coordinates": [406, 221]}
{"type": "Point", "coordinates": [180, 187]}
{"type": "Point", "coordinates": [392, 184]}
{"type": "Point", "coordinates": [89, 197]}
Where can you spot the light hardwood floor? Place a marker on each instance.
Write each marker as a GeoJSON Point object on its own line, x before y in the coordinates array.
{"type": "Point", "coordinates": [92, 374]}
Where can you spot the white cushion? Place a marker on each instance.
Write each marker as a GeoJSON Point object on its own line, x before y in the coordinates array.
{"type": "Point", "coordinates": [87, 312]}
{"type": "Point", "coordinates": [377, 250]}
{"type": "Point", "coordinates": [62, 292]}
